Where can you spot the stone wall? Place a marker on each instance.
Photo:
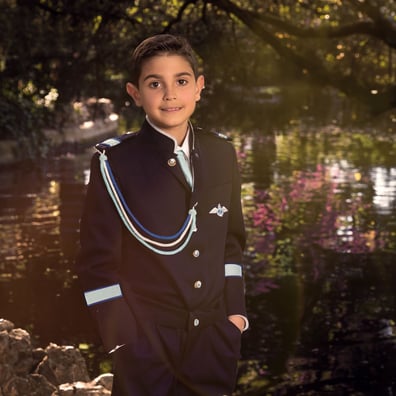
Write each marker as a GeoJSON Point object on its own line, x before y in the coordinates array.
{"type": "Point", "coordinates": [53, 371]}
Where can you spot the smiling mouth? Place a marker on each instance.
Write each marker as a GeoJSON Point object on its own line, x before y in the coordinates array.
{"type": "Point", "coordinates": [171, 109]}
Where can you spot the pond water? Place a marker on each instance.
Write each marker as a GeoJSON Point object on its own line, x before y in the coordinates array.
{"type": "Point", "coordinates": [320, 208]}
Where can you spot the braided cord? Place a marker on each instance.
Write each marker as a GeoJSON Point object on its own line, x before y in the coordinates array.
{"type": "Point", "coordinates": [185, 232]}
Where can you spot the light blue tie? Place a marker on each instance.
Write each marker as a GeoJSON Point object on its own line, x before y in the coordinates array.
{"type": "Point", "coordinates": [185, 166]}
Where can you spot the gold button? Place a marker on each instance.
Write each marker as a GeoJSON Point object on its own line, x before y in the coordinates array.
{"type": "Point", "coordinates": [196, 322]}
{"type": "Point", "coordinates": [196, 253]}
{"type": "Point", "coordinates": [197, 284]}
{"type": "Point", "coordinates": [171, 162]}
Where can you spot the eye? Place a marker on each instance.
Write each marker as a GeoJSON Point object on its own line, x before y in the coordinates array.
{"type": "Point", "coordinates": [154, 84]}
{"type": "Point", "coordinates": [182, 81]}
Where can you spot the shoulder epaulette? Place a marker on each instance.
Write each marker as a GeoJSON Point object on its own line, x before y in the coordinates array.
{"type": "Point", "coordinates": [216, 134]}
{"type": "Point", "coordinates": [114, 141]}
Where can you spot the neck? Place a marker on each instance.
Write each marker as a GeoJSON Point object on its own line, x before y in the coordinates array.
{"type": "Point", "coordinates": [180, 138]}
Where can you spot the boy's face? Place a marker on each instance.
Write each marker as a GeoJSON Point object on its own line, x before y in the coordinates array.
{"type": "Point", "coordinates": [168, 92]}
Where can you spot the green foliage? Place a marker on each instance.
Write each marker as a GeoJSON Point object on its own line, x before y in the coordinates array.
{"type": "Point", "coordinates": [21, 119]}
{"type": "Point", "coordinates": [81, 48]}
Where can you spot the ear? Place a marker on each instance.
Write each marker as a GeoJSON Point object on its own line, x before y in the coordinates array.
{"type": "Point", "coordinates": [134, 93]}
{"type": "Point", "coordinates": [200, 83]}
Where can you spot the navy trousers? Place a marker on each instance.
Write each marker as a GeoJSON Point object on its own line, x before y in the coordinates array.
{"type": "Point", "coordinates": [165, 361]}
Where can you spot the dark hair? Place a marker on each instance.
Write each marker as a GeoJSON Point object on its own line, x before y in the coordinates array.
{"type": "Point", "coordinates": [161, 44]}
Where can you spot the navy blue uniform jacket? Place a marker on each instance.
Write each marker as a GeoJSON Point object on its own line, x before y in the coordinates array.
{"type": "Point", "coordinates": [124, 280]}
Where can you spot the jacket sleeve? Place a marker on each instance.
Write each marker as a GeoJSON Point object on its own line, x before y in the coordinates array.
{"type": "Point", "coordinates": [98, 262]}
{"type": "Point", "coordinates": [235, 244]}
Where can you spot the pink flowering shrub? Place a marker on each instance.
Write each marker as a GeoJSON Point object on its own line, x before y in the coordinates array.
{"type": "Point", "coordinates": [308, 212]}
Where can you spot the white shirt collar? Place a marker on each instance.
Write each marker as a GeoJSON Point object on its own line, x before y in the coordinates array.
{"type": "Point", "coordinates": [186, 142]}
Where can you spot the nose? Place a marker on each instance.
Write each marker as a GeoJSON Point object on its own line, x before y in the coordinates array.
{"type": "Point", "coordinates": [169, 94]}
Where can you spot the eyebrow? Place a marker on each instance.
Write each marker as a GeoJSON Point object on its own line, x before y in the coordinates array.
{"type": "Point", "coordinates": [158, 76]}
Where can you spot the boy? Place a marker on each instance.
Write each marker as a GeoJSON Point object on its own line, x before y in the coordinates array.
{"type": "Point", "coordinates": [162, 237]}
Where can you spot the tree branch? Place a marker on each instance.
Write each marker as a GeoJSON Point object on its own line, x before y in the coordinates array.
{"type": "Point", "coordinates": [385, 26]}
{"type": "Point", "coordinates": [359, 27]}
{"type": "Point", "coordinates": [179, 15]}
{"type": "Point", "coordinates": [378, 27]}
{"type": "Point", "coordinates": [347, 83]}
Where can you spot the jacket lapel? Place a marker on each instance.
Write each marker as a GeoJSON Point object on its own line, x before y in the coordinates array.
{"type": "Point", "coordinates": [162, 151]}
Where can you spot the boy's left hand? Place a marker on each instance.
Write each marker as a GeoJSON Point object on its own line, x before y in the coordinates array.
{"type": "Point", "coordinates": [237, 321]}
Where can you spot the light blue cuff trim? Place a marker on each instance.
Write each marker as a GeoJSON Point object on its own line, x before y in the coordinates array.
{"type": "Point", "coordinates": [233, 270]}
{"type": "Point", "coordinates": [111, 142]}
{"type": "Point", "coordinates": [103, 294]}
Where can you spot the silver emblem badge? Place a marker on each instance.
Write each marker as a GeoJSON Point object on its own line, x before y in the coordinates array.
{"type": "Point", "coordinates": [219, 210]}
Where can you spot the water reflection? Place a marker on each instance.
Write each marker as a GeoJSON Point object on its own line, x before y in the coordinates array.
{"type": "Point", "coordinates": [321, 271]}
{"type": "Point", "coordinates": [320, 210]}
{"type": "Point", "coordinates": [384, 183]}
{"type": "Point", "coordinates": [40, 210]}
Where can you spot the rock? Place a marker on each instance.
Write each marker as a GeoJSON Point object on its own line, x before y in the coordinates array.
{"type": "Point", "coordinates": [53, 371]}
{"type": "Point", "coordinates": [20, 353]}
{"type": "Point", "coordinates": [63, 364]}
{"type": "Point", "coordinates": [82, 389]}
{"type": "Point", "coordinates": [32, 385]}
{"type": "Point", "coordinates": [4, 344]}
{"type": "Point", "coordinates": [6, 325]}
{"type": "Point", "coordinates": [105, 380]}
{"type": "Point", "coordinates": [38, 355]}
{"type": "Point", "coordinates": [15, 353]}
{"type": "Point", "coordinates": [6, 373]}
